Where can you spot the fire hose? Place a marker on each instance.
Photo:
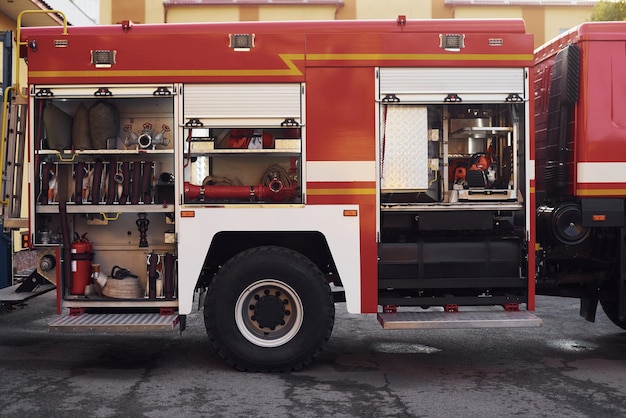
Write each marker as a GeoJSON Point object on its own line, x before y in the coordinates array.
{"type": "Point", "coordinates": [275, 191]}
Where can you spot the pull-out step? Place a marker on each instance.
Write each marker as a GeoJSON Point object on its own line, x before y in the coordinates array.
{"type": "Point", "coordinates": [115, 322]}
{"type": "Point", "coordinates": [449, 320]}
{"type": "Point", "coordinates": [19, 293]}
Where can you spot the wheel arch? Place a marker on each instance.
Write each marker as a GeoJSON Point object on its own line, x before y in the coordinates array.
{"type": "Point", "coordinates": [311, 244]}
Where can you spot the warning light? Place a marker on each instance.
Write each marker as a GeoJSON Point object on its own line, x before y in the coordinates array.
{"type": "Point", "coordinates": [598, 218]}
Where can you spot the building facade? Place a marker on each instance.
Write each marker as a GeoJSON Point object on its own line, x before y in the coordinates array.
{"type": "Point", "coordinates": [544, 18]}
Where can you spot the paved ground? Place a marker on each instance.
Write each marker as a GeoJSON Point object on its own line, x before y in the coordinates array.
{"type": "Point", "coordinates": [567, 368]}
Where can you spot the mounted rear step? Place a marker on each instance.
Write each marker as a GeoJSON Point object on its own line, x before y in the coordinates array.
{"type": "Point", "coordinates": [463, 319]}
{"type": "Point", "coordinates": [115, 322]}
{"type": "Point", "coordinates": [33, 284]}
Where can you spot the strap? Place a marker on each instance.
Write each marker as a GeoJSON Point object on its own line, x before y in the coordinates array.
{"type": "Point", "coordinates": [96, 182]}
{"type": "Point", "coordinates": [148, 168]}
{"type": "Point", "coordinates": [45, 183]}
{"type": "Point", "coordinates": [112, 185]}
{"type": "Point", "coordinates": [79, 172]}
{"type": "Point", "coordinates": [125, 182]}
{"type": "Point", "coordinates": [152, 275]}
{"type": "Point", "coordinates": [168, 285]}
{"type": "Point", "coordinates": [136, 182]}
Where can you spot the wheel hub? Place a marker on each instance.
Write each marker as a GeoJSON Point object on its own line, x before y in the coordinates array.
{"type": "Point", "coordinates": [269, 313]}
{"type": "Point", "coordinates": [269, 310]}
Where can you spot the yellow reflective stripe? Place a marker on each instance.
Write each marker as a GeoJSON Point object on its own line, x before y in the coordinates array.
{"type": "Point", "coordinates": [601, 192]}
{"type": "Point", "coordinates": [288, 59]}
{"type": "Point", "coordinates": [419, 57]}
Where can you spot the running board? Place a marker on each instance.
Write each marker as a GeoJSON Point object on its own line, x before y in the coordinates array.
{"type": "Point", "coordinates": [450, 320]}
{"type": "Point", "coordinates": [121, 322]}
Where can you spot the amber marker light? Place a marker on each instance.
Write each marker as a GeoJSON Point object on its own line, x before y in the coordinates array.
{"type": "Point", "coordinates": [350, 212]}
{"type": "Point", "coordinates": [598, 218]}
{"type": "Point", "coordinates": [187, 213]}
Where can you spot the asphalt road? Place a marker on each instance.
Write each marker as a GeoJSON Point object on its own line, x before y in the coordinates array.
{"type": "Point", "coordinates": [567, 368]}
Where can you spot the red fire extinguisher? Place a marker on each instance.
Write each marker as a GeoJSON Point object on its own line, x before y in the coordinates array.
{"type": "Point", "coordinates": [82, 256]}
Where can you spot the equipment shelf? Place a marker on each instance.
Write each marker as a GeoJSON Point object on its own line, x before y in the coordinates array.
{"type": "Point", "coordinates": [91, 208]}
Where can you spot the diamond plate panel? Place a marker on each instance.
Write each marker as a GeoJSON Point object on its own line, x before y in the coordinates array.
{"type": "Point", "coordinates": [404, 156]}
{"type": "Point", "coordinates": [449, 320]}
{"type": "Point", "coordinates": [138, 322]}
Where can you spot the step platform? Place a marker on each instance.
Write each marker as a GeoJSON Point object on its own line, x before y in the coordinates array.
{"type": "Point", "coordinates": [114, 322]}
{"type": "Point", "coordinates": [32, 285]}
{"type": "Point", "coordinates": [456, 320]}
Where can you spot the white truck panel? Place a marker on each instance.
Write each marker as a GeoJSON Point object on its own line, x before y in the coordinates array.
{"type": "Point", "coordinates": [341, 232]}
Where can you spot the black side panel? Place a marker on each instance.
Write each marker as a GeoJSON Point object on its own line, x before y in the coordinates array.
{"type": "Point", "coordinates": [438, 271]}
{"type": "Point", "coordinates": [440, 259]}
{"type": "Point", "coordinates": [563, 95]}
{"type": "Point", "coordinates": [602, 212]}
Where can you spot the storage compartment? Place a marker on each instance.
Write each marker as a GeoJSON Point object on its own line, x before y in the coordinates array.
{"type": "Point", "coordinates": [105, 185]}
{"type": "Point", "coordinates": [245, 146]}
{"type": "Point", "coordinates": [448, 153]}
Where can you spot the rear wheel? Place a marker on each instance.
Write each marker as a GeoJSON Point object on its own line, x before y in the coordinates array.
{"type": "Point", "coordinates": [269, 309]}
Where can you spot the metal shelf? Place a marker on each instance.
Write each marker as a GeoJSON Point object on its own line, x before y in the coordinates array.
{"type": "Point", "coordinates": [67, 156]}
{"type": "Point", "coordinates": [91, 208]}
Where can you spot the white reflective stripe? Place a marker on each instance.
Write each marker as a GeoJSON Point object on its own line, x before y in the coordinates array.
{"type": "Point", "coordinates": [336, 171]}
{"type": "Point", "coordinates": [601, 172]}
{"type": "Point", "coordinates": [531, 169]}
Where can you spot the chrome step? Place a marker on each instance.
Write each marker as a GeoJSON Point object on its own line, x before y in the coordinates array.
{"type": "Point", "coordinates": [115, 322]}
{"type": "Point", "coordinates": [450, 320]}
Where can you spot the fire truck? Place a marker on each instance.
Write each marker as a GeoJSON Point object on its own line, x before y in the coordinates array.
{"type": "Point", "coordinates": [580, 162]}
{"type": "Point", "coordinates": [267, 170]}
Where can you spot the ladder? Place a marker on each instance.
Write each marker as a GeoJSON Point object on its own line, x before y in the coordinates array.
{"type": "Point", "coordinates": [12, 166]}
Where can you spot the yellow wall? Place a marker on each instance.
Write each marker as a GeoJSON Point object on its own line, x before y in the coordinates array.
{"type": "Point", "coordinates": [559, 19]}
{"type": "Point", "coordinates": [235, 13]}
{"type": "Point", "coordinates": [479, 12]}
{"type": "Point", "coordinates": [348, 10]}
{"type": "Point", "coordinates": [154, 11]}
{"type": "Point", "coordinates": [440, 11]}
{"type": "Point", "coordinates": [105, 12]}
{"type": "Point", "coordinates": [535, 19]}
{"type": "Point", "coordinates": [128, 10]}
{"type": "Point", "coordinates": [6, 23]}
{"type": "Point", "coordinates": [202, 14]}
{"type": "Point", "coordinates": [297, 13]}
{"type": "Point", "coordinates": [390, 9]}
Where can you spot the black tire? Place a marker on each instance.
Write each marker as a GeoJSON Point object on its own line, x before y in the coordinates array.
{"type": "Point", "coordinates": [269, 309]}
{"type": "Point", "coordinates": [611, 309]}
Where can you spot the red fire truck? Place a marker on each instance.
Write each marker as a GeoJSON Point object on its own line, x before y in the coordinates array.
{"type": "Point", "coordinates": [581, 169]}
{"type": "Point", "coordinates": [268, 170]}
